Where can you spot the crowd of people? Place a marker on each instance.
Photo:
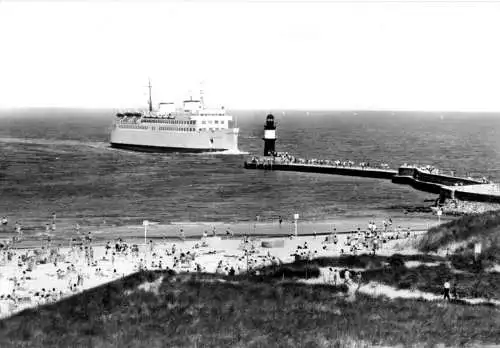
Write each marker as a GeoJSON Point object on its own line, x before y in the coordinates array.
{"type": "Point", "coordinates": [78, 266]}
{"type": "Point", "coordinates": [85, 263]}
{"type": "Point", "coordinates": [286, 158]}
{"type": "Point", "coordinates": [436, 171]}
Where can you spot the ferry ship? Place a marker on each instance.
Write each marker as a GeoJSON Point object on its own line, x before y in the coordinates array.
{"type": "Point", "coordinates": [191, 128]}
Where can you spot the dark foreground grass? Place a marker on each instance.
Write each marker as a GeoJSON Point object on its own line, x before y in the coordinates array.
{"type": "Point", "coordinates": [194, 310]}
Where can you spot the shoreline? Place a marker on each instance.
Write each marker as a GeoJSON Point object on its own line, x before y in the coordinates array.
{"type": "Point", "coordinates": [193, 230]}
{"type": "Point", "coordinates": [218, 251]}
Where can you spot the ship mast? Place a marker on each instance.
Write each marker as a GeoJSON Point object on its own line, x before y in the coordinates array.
{"type": "Point", "coordinates": [150, 101]}
{"type": "Point", "coordinates": [201, 96]}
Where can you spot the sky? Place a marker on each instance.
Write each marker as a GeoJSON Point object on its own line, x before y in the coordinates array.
{"type": "Point", "coordinates": [368, 55]}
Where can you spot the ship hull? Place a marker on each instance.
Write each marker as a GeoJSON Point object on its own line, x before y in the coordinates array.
{"type": "Point", "coordinates": [147, 140]}
{"type": "Point", "coordinates": [160, 149]}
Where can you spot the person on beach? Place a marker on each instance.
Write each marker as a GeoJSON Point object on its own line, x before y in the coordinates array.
{"type": "Point", "coordinates": [280, 219]}
{"type": "Point", "coordinates": [347, 277]}
{"type": "Point", "coordinates": [446, 291]}
{"type": "Point", "coordinates": [336, 276]}
{"type": "Point", "coordinates": [5, 221]}
{"type": "Point", "coordinates": [375, 246]}
{"type": "Point", "coordinates": [53, 226]}
{"type": "Point", "coordinates": [454, 290]}
{"type": "Point", "coordinates": [359, 279]}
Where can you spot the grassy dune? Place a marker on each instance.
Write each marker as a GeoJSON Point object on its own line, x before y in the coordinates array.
{"type": "Point", "coordinates": [271, 309]}
{"type": "Point", "coordinates": [203, 310]}
{"type": "Point", "coordinates": [392, 271]}
{"type": "Point", "coordinates": [467, 230]}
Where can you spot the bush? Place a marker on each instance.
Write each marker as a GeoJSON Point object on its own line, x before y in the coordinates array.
{"type": "Point", "coordinates": [396, 261]}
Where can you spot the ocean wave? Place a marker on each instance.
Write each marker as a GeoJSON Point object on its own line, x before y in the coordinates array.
{"type": "Point", "coordinates": [69, 169]}
{"type": "Point", "coordinates": [225, 152]}
{"type": "Point", "coordinates": [54, 142]}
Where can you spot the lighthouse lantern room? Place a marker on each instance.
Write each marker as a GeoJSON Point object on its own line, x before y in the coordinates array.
{"type": "Point", "coordinates": [269, 136]}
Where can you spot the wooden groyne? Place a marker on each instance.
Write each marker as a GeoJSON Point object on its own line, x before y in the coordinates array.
{"type": "Point", "coordinates": [446, 186]}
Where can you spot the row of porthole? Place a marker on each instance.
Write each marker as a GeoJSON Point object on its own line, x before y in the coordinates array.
{"type": "Point", "coordinates": [175, 129]}
{"type": "Point", "coordinates": [133, 126]}
{"type": "Point", "coordinates": [168, 128]}
{"type": "Point", "coordinates": [210, 122]}
{"type": "Point", "coordinates": [170, 122]}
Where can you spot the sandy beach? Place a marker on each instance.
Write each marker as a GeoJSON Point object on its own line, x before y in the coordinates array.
{"type": "Point", "coordinates": [34, 232]}
{"type": "Point", "coordinates": [23, 286]}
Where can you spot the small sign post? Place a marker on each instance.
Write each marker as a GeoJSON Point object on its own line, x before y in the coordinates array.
{"type": "Point", "coordinates": [295, 219]}
{"type": "Point", "coordinates": [145, 223]}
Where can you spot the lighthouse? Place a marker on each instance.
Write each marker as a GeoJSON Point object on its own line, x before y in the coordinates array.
{"type": "Point", "coordinates": [269, 136]}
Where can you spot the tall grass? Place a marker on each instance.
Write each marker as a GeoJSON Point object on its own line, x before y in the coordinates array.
{"type": "Point", "coordinates": [483, 227]}
{"type": "Point", "coordinates": [391, 270]}
{"type": "Point", "coordinates": [189, 311]}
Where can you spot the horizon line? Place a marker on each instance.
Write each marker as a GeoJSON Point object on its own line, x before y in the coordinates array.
{"type": "Point", "coordinates": [4, 108]}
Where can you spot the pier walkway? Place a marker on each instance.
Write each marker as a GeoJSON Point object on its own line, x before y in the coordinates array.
{"type": "Point", "coordinates": [423, 179]}
{"type": "Point", "coordinates": [324, 168]}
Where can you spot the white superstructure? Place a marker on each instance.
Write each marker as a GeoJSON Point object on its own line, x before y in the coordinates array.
{"type": "Point", "coordinates": [193, 127]}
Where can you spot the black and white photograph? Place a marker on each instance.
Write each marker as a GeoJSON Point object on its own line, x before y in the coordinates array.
{"type": "Point", "coordinates": [249, 173]}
